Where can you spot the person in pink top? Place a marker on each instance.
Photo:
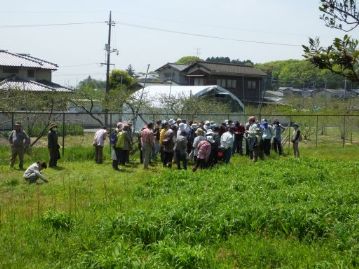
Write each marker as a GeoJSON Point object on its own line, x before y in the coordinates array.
{"type": "Point", "coordinates": [204, 150]}
{"type": "Point", "coordinates": [147, 143]}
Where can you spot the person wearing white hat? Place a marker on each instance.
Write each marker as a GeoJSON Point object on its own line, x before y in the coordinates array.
{"type": "Point", "coordinates": [53, 145]}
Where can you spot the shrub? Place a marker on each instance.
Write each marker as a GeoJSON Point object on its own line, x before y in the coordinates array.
{"type": "Point", "coordinates": [57, 220]}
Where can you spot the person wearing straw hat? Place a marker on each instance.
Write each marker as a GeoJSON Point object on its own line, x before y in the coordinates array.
{"type": "Point", "coordinates": [53, 145]}
{"type": "Point", "coordinates": [19, 141]}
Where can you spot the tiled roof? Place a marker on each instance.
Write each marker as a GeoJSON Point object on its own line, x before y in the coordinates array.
{"type": "Point", "coordinates": [24, 60]}
{"type": "Point", "coordinates": [229, 69]}
{"type": "Point", "coordinates": [31, 85]}
{"type": "Point", "coordinates": [178, 67]}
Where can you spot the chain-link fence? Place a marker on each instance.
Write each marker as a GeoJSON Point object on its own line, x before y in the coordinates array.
{"type": "Point", "coordinates": [316, 129]}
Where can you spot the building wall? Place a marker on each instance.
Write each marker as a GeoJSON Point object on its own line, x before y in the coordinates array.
{"type": "Point", "coordinates": [172, 74]}
{"type": "Point", "coordinates": [25, 73]}
{"type": "Point", "coordinates": [245, 88]}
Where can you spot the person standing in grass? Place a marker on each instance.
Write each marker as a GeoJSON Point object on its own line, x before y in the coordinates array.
{"type": "Point", "coordinates": [180, 149]}
{"type": "Point", "coordinates": [297, 137]}
{"type": "Point", "coordinates": [203, 153]}
{"type": "Point", "coordinates": [19, 142]}
{"type": "Point", "coordinates": [252, 138]}
{"type": "Point", "coordinates": [168, 145]}
{"type": "Point", "coordinates": [99, 142]}
{"type": "Point", "coordinates": [147, 144]}
{"type": "Point", "coordinates": [33, 172]}
{"type": "Point", "coordinates": [227, 140]}
{"type": "Point", "coordinates": [266, 136]}
{"type": "Point", "coordinates": [278, 129]}
{"type": "Point", "coordinates": [53, 145]}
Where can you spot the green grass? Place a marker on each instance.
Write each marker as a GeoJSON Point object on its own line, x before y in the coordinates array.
{"type": "Point", "coordinates": [277, 213]}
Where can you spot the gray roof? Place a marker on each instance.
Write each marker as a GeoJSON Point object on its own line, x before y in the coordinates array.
{"type": "Point", "coordinates": [31, 85]}
{"type": "Point", "coordinates": [24, 60]}
{"type": "Point", "coordinates": [179, 67]}
{"type": "Point", "coordinates": [229, 69]}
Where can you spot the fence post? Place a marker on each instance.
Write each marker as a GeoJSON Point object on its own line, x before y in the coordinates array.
{"type": "Point", "coordinates": [109, 141]}
{"type": "Point", "coordinates": [12, 121]}
{"type": "Point", "coordinates": [344, 131]}
{"type": "Point", "coordinates": [63, 133]}
{"type": "Point", "coordinates": [316, 133]}
{"type": "Point", "coordinates": [289, 135]}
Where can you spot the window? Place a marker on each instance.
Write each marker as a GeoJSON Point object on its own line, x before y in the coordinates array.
{"type": "Point", "coordinates": [231, 83]}
{"type": "Point", "coordinates": [252, 84]}
{"type": "Point", "coordinates": [198, 81]}
{"type": "Point", "coordinates": [168, 75]}
{"type": "Point", "coordinates": [221, 82]}
{"type": "Point", "coordinates": [31, 73]}
{"type": "Point", "coordinates": [11, 70]}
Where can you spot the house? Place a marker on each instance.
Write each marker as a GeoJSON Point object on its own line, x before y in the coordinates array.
{"type": "Point", "coordinates": [245, 82]}
{"type": "Point", "coordinates": [27, 73]}
{"type": "Point", "coordinates": [173, 72]}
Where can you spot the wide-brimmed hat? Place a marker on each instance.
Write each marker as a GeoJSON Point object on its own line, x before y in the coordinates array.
{"type": "Point", "coordinates": [199, 131]}
{"type": "Point", "coordinates": [171, 122]}
{"type": "Point", "coordinates": [209, 132]}
{"type": "Point", "coordinates": [17, 123]}
{"type": "Point", "coordinates": [210, 139]}
{"type": "Point", "coordinates": [295, 125]}
{"type": "Point", "coordinates": [52, 125]}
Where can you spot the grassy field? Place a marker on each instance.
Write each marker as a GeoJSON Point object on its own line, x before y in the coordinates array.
{"type": "Point", "coordinates": [278, 213]}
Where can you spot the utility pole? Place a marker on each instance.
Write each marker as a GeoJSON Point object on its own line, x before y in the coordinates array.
{"type": "Point", "coordinates": [108, 50]}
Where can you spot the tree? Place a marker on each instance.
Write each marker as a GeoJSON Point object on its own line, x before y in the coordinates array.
{"type": "Point", "coordinates": [188, 60]}
{"type": "Point", "coordinates": [337, 12]}
{"type": "Point", "coordinates": [228, 60]}
{"type": "Point", "coordinates": [130, 71]}
{"type": "Point", "coordinates": [120, 79]}
{"type": "Point", "coordinates": [342, 57]}
{"type": "Point", "coordinates": [299, 74]}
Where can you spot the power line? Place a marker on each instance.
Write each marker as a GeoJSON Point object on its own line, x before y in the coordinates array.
{"type": "Point", "coordinates": [149, 28]}
{"type": "Point", "coordinates": [205, 35]}
{"type": "Point", "coordinates": [79, 65]}
{"type": "Point", "coordinates": [49, 24]}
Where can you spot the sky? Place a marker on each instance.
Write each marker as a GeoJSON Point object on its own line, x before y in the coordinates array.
{"type": "Point", "coordinates": [73, 33]}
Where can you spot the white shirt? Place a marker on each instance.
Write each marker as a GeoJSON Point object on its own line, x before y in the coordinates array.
{"type": "Point", "coordinates": [99, 138]}
{"type": "Point", "coordinates": [33, 170]}
{"type": "Point", "coordinates": [227, 140]}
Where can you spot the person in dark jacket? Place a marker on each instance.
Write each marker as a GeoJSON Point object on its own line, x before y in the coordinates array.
{"type": "Point", "coordinates": [297, 137]}
{"type": "Point", "coordinates": [19, 142]}
{"type": "Point", "coordinates": [53, 146]}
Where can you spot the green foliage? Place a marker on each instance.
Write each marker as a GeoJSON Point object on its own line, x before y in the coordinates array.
{"type": "Point", "coordinates": [120, 79]}
{"type": "Point", "coordinates": [228, 60]}
{"type": "Point", "coordinates": [341, 58]}
{"type": "Point", "coordinates": [279, 213]}
{"type": "Point", "coordinates": [339, 12]}
{"type": "Point", "coordinates": [69, 129]}
{"type": "Point", "coordinates": [188, 60]}
{"type": "Point", "coordinates": [299, 74]}
{"type": "Point", "coordinates": [57, 220]}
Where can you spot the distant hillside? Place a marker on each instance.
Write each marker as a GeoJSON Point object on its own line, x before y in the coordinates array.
{"type": "Point", "coordinates": [301, 74]}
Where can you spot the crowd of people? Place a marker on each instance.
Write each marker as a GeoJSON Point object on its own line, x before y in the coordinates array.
{"type": "Point", "coordinates": [178, 141]}
{"type": "Point", "coordinates": [203, 143]}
